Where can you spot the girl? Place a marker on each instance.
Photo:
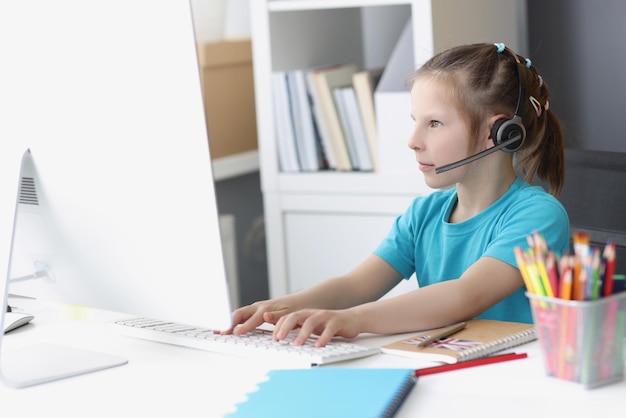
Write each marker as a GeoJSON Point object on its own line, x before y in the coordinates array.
{"type": "Point", "coordinates": [460, 240]}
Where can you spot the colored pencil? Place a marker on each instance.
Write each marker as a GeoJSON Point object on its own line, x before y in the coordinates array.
{"type": "Point", "coordinates": [441, 333]}
{"type": "Point", "coordinates": [609, 256]}
{"type": "Point", "coordinates": [469, 363]}
{"type": "Point", "coordinates": [553, 274]}
{"type": "Point", "coordinates": [565, 291]}
{"type": "Point", "coordinates": [523, 268]}
{"type": "Point", "coordinates": [596, 280]}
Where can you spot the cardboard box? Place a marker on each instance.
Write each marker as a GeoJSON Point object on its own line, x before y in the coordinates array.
{"type": "Point", "coordinates": [228, 90]}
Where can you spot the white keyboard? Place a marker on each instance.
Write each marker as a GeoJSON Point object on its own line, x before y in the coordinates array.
{"type": "Point", "coordinates": [257, 344]}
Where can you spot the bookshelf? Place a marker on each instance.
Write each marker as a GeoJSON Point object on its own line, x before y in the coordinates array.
{"type": "Point", "coordinates": [320, 224]}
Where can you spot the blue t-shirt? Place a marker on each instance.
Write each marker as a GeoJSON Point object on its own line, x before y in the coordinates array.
{"type": "Point", "coordinates": [422, 241]}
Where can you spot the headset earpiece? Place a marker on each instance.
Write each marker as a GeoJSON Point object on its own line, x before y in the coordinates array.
{"type": "Point", "coordinates": [507, 129]}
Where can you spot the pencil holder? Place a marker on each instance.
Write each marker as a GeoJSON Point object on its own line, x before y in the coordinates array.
{"type": "Point", "coordinates": [582, 341]}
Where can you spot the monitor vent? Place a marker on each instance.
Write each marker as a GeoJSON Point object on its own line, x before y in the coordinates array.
{"type": "Point", "coordinates": [28, 192]}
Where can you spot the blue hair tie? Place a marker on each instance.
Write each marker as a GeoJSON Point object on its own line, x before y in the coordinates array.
{"type": "Point", "coordinates": [528, 63]}
{"type": "Point", "coordinates": [499, 47]}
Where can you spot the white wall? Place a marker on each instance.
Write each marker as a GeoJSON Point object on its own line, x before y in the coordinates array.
{"type": "Point", "coordinates": [221, 19]}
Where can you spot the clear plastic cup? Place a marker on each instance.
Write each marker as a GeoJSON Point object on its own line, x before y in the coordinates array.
{"type": "Point", "coordinates": [582, 341]}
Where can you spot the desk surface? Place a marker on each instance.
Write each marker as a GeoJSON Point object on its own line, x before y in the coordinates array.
{"type": "Point", "coordinates": [162, 380]}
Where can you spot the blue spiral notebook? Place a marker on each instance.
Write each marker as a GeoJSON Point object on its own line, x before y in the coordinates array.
{"type": "Point", "coordinates": [328, 392]}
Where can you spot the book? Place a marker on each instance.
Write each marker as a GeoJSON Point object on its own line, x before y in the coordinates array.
{"type": "Point", "coordinates": [353, 129]}
{"type": "Point", "coordinates": [328, 392]}
{"type": "Point", "coordinates": [365, 82]}
{"type": "Point", "coordinates": [480, 338]}
{"type": "Point", "coordinates": [324, 81]}
{"type": "Point", "coordinates": [323, 133]}
{"type": "Point", "coordinates": [305, 133]}
{"type": "Point", "coordinates": [285, 135]}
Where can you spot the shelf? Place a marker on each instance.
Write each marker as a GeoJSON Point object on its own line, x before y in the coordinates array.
{"type": "Point", "coordinates": [316, 34]}
{"type": "Point", "coordinates": [235, 165]}
{"type": "Point", "coordinates": [349, 183]}
{"type": "Point", "coordinates": [312, 218]}
{"type": "Point", "coordinates": [295, 5]}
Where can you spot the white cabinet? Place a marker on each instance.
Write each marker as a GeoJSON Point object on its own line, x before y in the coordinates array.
{"type": "Point", "coordinates": [320, 224]}
{"type": "Point", "coordinates": [322, 244]}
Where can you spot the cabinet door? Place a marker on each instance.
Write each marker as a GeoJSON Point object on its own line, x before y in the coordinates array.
{"type": "Point", "coordinates": [323, 245]}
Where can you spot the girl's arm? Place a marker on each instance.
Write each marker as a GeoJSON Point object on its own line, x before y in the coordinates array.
{"type": "Point", "coordinates": [484, 284]}
{"type": "Point", "coordinates": [367, 282]}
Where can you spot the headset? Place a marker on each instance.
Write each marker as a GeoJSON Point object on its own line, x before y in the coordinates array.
{"type": "Point", "coordinates": [507, 134]}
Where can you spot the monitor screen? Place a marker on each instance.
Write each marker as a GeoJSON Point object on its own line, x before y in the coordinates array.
{"type": "Point", "coordinates": [116, 191]}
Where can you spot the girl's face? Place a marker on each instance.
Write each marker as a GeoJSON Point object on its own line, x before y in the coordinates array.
{"type": "Point", "coordinates": [441, 134]}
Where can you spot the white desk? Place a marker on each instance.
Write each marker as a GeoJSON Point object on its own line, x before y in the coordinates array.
{"type": "Point", "coordinates": [163, 380]}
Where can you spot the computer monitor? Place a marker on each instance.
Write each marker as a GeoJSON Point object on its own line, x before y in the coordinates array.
{"type": "Point", "coordinates": [115, 196]}
{"type": "Point", "coordinates": [594, 195]}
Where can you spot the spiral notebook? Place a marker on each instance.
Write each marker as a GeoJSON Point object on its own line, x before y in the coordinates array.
{"type": "Point", "coordinates": [328, 392]}
{"type": "Point", "coordinates": [479, 338]}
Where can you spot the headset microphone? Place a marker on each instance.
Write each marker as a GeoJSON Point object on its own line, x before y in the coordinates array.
{"type": "Point", "coordinates": [517, 136]}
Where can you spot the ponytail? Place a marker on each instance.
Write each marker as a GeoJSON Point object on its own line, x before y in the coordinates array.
{"type": "Point", "coordinates": [543, 153]}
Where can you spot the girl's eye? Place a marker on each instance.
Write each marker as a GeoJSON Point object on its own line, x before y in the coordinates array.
{"type": "Point", "coordinates": [435, 124]}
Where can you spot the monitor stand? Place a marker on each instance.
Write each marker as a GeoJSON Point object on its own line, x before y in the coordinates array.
{"type": "Point", "coordinates": [40, 363]}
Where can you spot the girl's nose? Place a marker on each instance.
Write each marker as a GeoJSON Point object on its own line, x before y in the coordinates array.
{"type": "Point", "coordinates": [414, 141]}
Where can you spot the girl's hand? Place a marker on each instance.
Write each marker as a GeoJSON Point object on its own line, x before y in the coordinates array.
{"type": "Point", "coordinates": [322, 322]}
{"type": "Point", "coordinates": [247, 318]}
